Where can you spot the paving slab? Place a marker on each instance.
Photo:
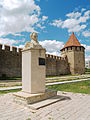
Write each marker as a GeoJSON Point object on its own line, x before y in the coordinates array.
{"type": "Point", "coordinates": [75, 108]}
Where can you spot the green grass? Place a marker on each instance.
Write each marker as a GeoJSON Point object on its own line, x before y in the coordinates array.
{"type": "Point", "coordinates": [87, 70]}
{"type": "Point", "coordinates": [64, 79]}
{"type": "Point", "coordinates": [9, 91]}
{"type": "Point", "coordinates": [10, 78]}
{"type": "Point", "coordinates": [79, 87]}
{"type": "Point", "coordinates": [29, 119]}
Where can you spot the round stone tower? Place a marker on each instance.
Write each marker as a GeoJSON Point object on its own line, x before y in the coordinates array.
{"type": "Point", "coordinates": [75, 55]}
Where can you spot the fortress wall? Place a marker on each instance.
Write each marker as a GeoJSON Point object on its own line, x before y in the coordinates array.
{"type": "Point", "coordinates": [11, 63]}
{"type": "Point", "coordinates": [62, 67]}
{"type": "Point", "coordinates": [50, 65]}
{"type": "Point", "coordinates": [56, 65]}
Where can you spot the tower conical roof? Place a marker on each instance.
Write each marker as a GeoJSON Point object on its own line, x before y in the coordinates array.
{"type": "Point", "coordinates": [72, 41]}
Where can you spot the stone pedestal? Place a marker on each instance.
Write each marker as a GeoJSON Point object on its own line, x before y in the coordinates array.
{"type": "Point", "coordinates": [33, 70]}
{"type": "Point", "coordinates": [27, 98]}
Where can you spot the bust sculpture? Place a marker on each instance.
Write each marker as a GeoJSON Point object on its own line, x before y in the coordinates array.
{"type": "Point", "coordinates": [34, 37]}
{"type": "Point", "coordinates": [34, 41]}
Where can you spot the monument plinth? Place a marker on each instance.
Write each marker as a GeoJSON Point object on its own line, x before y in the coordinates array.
{"type": "Point", "coordinates": [33, 73]}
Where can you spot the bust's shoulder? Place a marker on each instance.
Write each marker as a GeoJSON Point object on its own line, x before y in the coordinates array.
{"type": "Point", "coordinates": [27, 44]}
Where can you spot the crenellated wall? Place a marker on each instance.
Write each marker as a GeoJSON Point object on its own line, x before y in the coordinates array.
{"type": "Point", "coordinates": [11, 63]}
{"type": "Point", "coordinates": [56, 65]}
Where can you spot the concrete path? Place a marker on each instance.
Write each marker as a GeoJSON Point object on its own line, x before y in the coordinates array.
{"type": "Point", "coordinates": [69, 76]}
{"type": "Point", "coordinates": [71, 81]}
{"type": "Point", "coordinates": [54, 83]}
{"type": "Point", "coordinates": [75, 108]}
{"type": "Point", "coordinates": [10, 88]}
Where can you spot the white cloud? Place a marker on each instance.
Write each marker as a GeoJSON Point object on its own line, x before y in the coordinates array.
{"type": "Point", "coordinates": [75, 21]}
{"type": "Point", "coordinates": [7, 41]}
{"type": "Point", "coordinates": [11, 41]}
{"type": "Point", "coordinates": [21, 46]}
{"type": "Point", "coordinates": [40, 26]}
{"type": "Point", "coordinates": [44, 18]}
{"type": "Point", "coordinates": [87, 47]}
{"type": "Point", "coordinates": [77, 28]}
{"type": "Point", "coordinates": [52, 46]}
{"type": "Point", "coordinates": [18, 15]}
{"type": "Point", "coordinates": [87, 52]}
{"type": "Point", "coordinates": [57, 23]}
{"type": "Point", "coordinates": [73, 15]}
{"type": "Point", "coordinates": [87, 58]}
{"type": "Point", "coordinates": [83, 9]}
{"type": "Point", "coordinates": [85, 17]}
{"type": "Point", "coordinates": [86, 33]}
{"type": "Point", "coordinates": [87, 13]}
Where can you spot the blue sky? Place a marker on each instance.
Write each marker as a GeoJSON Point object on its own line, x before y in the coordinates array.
{"type": "Point", "coordinates": [53, 20]}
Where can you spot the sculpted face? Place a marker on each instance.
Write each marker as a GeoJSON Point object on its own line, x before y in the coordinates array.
{"type": "Point", "coordinates": [34, 36]}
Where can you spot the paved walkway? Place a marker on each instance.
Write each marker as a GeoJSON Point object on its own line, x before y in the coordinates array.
{"type": "Point", "coordinates": [10, 88]}
{"type": "Point", "coordinates": [54, 83]}
{"type": "Point", "coordinates": [75, 108]}
{"type": "Point", "coordinates": [71, 81]}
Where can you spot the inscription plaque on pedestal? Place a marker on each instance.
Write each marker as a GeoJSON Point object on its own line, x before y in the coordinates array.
{"type": "Point", "coordinates": [41, 61]}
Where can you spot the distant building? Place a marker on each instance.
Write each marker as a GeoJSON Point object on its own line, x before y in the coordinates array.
{"type": "Point", "coordinates": [87, 64]}
{"type": "Point", "coordinates": [75, 54]}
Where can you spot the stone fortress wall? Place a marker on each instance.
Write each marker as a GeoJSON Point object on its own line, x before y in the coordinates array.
{"type": "Point", "coordinates": [56, 65]}
{"type": "Point", "coordinates": [11, 63]}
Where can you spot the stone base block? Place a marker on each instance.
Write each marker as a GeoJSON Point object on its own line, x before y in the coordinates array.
{"type": "Point", "coordinates": [27, 98]}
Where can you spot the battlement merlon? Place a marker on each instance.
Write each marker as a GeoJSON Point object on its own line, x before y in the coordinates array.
{"type": "Point", "coordinates": [48, 56]}
{"type": "Point", "coordinates": [14, 49]}
{"type": "Point", "coordinates": [7, 47]}
{"type": "Point", "coordinates": [1, 47]}
{"type": "Point", "coordinates": [20, 50]}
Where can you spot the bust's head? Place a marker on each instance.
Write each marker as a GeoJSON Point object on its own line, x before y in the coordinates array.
{"type": "Point", "coordinates": [34, 36]}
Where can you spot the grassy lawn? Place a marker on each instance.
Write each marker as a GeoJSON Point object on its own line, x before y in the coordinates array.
{"type": "Point", "coordinates": [68, 78]}
{"type": "Point", "coordinates": [9, 91]}
{"type": "Point", "coordinates": [10, 78]}
{"type": "Point", "coordinates": [79, 87]}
